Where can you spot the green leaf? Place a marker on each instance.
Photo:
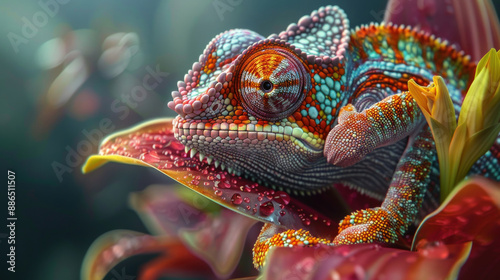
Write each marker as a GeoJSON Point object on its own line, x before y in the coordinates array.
{"type": "Point", "coordinates": [442, 138]}
{"type": "Point", "coordinates": [475, 147]}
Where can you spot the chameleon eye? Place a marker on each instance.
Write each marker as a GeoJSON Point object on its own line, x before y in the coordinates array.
{"type": "Point", "coordinates": [266, 86]}
{"type": "Point", "coordinates": [272, 83]}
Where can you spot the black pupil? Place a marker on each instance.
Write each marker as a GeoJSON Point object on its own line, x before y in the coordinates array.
{"type": "Point", "coordinates": [266, 85]}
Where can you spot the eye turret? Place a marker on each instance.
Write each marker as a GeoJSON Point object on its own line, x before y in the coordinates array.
{"type": "Point", "coordinates": [272, 82]}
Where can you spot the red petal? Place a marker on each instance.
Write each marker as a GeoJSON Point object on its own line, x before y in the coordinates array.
{"type": "Point", "coordinates": [113, 247]}
{"type": "Point", "coordinates": [472, 25]}
{"type": "Point", "coordinates": [470, 213]}
{"type": "Point", "coordinates": [363, 261]}
{"type": "Point", "coordinates": [164, 211]}
{"type": "Point", "coordinates": [215, 234]}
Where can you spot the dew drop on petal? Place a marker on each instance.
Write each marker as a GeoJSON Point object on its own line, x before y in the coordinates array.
{"type": "Point", "coordinates": [150, 157]}
{"type": "Point", "coordinates": [282, 197]}
{"type": "Point", "coordinates": [266, 209]}
{"type": "Point", "coordinates": [236, 199]}
{"type": "Point", "coordinates": [411, 259]}
{"type": "Point", "coordinates": [434, 250]}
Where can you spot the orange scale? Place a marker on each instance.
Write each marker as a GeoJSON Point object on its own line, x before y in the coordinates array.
{"type": "Point", "coordinates": [238, 112]}
{"type": "Point", "coordinates": [322, 74]}
{"type": "Point", "coordinates": [234, 102]}
{"type": "Point", "coordinates": [243, 117]}
{"type": "Point", "coordinates": [309, 100]}
{"type": "Point", "coordinates": [322, 124]}
{"type": "Point", "coordinates": [300, 124]}
{"type": "Point", "coordinates": [237, 121]}
{"type": "Point", "coordinates": [305, 121]}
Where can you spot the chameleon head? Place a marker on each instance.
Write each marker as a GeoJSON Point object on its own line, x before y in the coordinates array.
{"type": "Point", "coordinates": [261, 107]}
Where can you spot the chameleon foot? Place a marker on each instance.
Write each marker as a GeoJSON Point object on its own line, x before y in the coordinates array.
{"type": "Point", "coordinates": [359, 133]}
{"type": "Point", "coordinates": [367, 226]}
{"type": "Point", "coordinates": [269, 238]}
{"type": "Point", "coordinates": [350, 140]}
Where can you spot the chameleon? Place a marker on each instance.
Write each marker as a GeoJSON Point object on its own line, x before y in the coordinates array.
{"type": "Point", "coordinates": [319, 104]}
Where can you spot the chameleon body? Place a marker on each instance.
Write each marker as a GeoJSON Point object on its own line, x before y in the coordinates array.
{"type": "Point", "coordinates": [319, 104]}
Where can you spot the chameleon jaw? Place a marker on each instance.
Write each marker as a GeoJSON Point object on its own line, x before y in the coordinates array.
{"type": "Point", "coordinates": [262, 153]}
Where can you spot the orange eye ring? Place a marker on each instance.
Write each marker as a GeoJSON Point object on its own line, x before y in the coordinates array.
{"type": "Point", "coordinates": [272, 82]}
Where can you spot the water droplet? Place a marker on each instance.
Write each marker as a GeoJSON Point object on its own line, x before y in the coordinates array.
{"type": "Point", "coordinates": [282, 197]}
{"type": "Point", "coordinates": [266, 209]}
{"type": "Point", "coordinates": [462, 219]}
{"type": "Point", "coordinates": [151, 157]}
{"type": "Point", "coordinates": [246, 199]}
{"type": "Point", "coordinates": [433, 250]}
{"type": "Point", "coordinates": [452, 208]}
{"type": "Point", "coordinates": [306, 222]}
{"type": "Point", "coordinates": [157, 146]}
{"type": "Point", "coordinates": [236, 199]}
{"type": "Point", "coordinates": [218, 192]}
{"type": "Point", "coordinates": [195, 182]}
{"type": "Point", "coordinates": [411, 259]}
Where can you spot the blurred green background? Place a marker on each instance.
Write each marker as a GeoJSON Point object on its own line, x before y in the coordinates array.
{"type": "Point", "coordinates": [63, 72]}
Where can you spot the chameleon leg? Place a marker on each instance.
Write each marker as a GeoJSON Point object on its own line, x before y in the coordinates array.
{"type": "Point", "coordinates": [389, 222]}
{"type": "Point", "coordinates": [270, 236]}
{"type": "Point", "coordinates": [359, 133]}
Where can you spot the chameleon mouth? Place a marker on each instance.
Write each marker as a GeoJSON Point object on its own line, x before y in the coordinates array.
{"type": "Point", "coordinates": [251, 133]}
{"type": "Point", "coordinates": [309, 146]}
{"type": "Point", "coordinates": [200, 138]}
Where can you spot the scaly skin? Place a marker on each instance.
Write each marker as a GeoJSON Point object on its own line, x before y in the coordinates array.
{"type": "Point", "coordinates": [317, 105]}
